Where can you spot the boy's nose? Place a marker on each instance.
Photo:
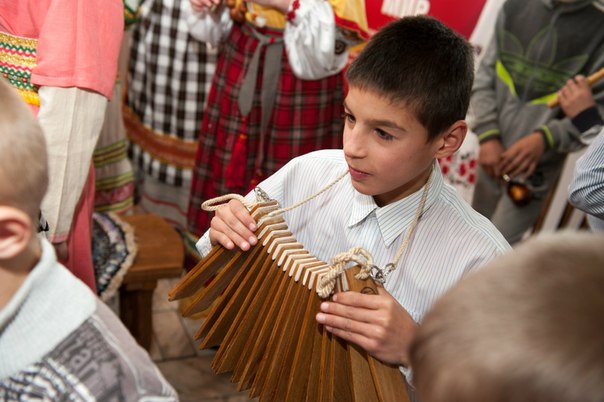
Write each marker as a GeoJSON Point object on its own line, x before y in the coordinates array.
{"type": "Point", "coordinates": [353, 143]}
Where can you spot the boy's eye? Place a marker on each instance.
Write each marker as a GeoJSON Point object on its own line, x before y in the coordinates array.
{"type": "Point", "coordinates": [384, 135]}
{"type": "Point", "coordinates": [348, 117]}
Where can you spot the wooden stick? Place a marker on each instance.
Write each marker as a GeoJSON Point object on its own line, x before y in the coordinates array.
{"type": "Point", "coordinates": [592, 79]}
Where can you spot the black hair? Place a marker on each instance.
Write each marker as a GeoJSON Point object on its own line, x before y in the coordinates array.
{"type": "Point", "coordinates": [423, 63]}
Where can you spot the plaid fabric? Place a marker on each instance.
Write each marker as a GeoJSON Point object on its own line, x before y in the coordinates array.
{"type": "Point", "coordinates": [307, 116]}
{"type": "Point", "coordinates": [168, 81]}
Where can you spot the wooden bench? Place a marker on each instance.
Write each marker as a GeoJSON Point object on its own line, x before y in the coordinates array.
{"type": "Point", "coordinates": [160, 255]}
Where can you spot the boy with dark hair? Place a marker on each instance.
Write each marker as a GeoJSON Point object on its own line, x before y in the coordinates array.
{"type": "Point", "coordinates": [57, 340]}
{"type": "Point", "coordinates": [408, 94]}
{"type": "Point", "coordinates": [527, 327]}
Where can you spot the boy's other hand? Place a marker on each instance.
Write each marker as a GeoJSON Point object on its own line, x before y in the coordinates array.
{"type": "Point", "coordinates": [233, 225]}
{"type": "Point", "coordinates": [522, 157]}
{"type": "Point", "coordinates": [377, 323]}
{"type": "Point", "coordinates": [489, 156]}
{"type": "Point", "coordinates": [575, 96]}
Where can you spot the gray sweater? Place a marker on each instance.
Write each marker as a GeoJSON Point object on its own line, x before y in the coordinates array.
{"type": "Point", "coordinates": [58, 341]}
{"type": "Point", "coordinates": [538, 45]}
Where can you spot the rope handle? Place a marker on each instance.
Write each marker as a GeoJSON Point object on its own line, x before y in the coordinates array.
{"type": "Point", "coordinates": [307, 199]}
{"type": "Point", "coordinates": [218, 202]}
{"type": "Point", "coordinates": [339, 264]}
{"type": "Point", "coordinates": [362, 257]}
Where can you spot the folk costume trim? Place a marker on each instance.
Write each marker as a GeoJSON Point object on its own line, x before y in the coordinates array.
{"type": "Point", "coordinates": [166, 149]}
{"type": "Point", "coordinates": [17, 60]}
{"type": "Point", "coordinates": [350, 17]}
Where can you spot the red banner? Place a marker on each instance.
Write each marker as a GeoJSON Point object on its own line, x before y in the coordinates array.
{"type": "Point", "coordinates": [459, 15]}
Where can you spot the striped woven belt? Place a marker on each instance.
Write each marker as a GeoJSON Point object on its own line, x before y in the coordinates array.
{"type": "Point", "coordinates": [17, 59]}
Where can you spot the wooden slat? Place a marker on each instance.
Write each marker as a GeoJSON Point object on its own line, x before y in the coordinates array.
{"type": "Point", "coordinates": [224, 313]}
{"type": "Point", "coordinates": [298, 377]}
{"type": "Point", "coordinates": [240, 317]}
{"type": "Point", "coordinates": [387, 379]}
{"type": "Point", "coordinates": [205, 270]}
{"type": "Point", "coordinates": [275, 387]}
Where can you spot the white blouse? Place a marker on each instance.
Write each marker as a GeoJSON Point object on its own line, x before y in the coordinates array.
{"type": "Point", "coordinates": [309, 38]}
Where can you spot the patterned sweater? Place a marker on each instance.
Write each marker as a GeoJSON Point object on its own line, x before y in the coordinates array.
{"type": "Point", "coordinates": [58, 341]}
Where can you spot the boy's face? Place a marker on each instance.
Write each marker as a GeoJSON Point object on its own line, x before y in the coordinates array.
{"type": "Point", "coordinates": [385, 147]}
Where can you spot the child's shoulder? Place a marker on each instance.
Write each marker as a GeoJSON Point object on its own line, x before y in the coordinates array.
{"type": "Point", "coordinates": [317, 162]}
{"type": "Point", "coordinates": [327, 156]}
{"type": "Point", "coordinates": [304, 175]}
{"type": "Point", "coordinates": [460, 215]}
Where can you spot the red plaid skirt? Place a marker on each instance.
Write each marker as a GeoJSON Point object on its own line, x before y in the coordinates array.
{"type": "Point", "coordinates": [307, 115]}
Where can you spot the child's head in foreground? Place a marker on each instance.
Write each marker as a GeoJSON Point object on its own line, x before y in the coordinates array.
{"type": "Point", "coordinates": [409, 91]}
{"type": "Point", "coordinates": [23, 171]}
{"type": "Point", "coordinates": [527, 327]}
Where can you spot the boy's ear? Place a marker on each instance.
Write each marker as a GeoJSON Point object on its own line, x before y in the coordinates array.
{"type": "Point", "coordinates": [15, 232]}
{"type": "Point", "coordinates": [452, 139]}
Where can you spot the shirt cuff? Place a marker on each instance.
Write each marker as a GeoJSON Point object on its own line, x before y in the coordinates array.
{"type": "Point", "coordinates": [489, 135]}
{"type": "Point", "coordinates": [203, 245]}
{"type": "Point", "coordinates": [292, 12]}
{"type": "Point", "coordinates": [547, 136]}
{"type": "Point", "coordinates": [587, 119]}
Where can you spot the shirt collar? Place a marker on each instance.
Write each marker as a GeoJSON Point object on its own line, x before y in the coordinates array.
{"type": "Point", "coordinates": [393, 219]}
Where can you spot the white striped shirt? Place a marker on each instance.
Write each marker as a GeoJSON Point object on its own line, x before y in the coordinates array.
{"type": "Point", "coordinates": [450, 239]}
{"type": "Point", "coordinates": [586, 190]}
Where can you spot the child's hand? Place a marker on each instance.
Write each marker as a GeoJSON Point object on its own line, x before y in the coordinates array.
{"type": "Point", "coordinates": [203, 5]}
{"type": "Point", "coordinates": [489, 156]}
{"type": "Point", "coordinates": [377, 323]}
{"type": "Point", "coordinates": [233, 225]}
{"type": "Point", "coordinates": [523, 156]}
{"type": "Point", "coordinates": [575, 96]}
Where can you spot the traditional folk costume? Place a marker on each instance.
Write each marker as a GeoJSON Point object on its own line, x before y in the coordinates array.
{"type": "Point", "coordinates": [277, 92]}
{"type": "Point", "coordinates": [168, 81]}
{"type": "Point", "coordinates": [67, 83]}
{"type": "Point", "coordinates": [113, 170]}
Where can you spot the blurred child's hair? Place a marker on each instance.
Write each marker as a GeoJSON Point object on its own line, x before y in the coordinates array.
{"type": "Point", "coordinates": [527, 327]}
{"type": "Point", "coordinates": [421, 63]}
{"type": "Point", "coordinates": [23, 158]}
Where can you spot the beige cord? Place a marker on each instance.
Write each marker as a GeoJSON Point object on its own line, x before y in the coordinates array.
{"type": "Point", "coordinates": [218, 202]}
{"type": "Point", "coordinates": [362, 257]}
{"type": "Point", "coordinates": [339, 263]}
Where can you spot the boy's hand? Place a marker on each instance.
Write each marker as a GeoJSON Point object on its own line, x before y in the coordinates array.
{"type": "Point", "coordinates": [203, 5]}
{"type": "Point", "coordinates": [377, 323]}
{"type": "Point", "coordinates": [522, 156]}
{"type": "Point", "coordinates": [233, 225]}
{"type": "Point", "coordinates": [575, 96]}
{"type": "Point", "coordinates": [489, 156]}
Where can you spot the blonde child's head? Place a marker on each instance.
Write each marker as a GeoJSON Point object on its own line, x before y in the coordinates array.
{"type": "Point", "coordinates": [527, 327]}
{"type": "Point", "coordinates": [23, 159]}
